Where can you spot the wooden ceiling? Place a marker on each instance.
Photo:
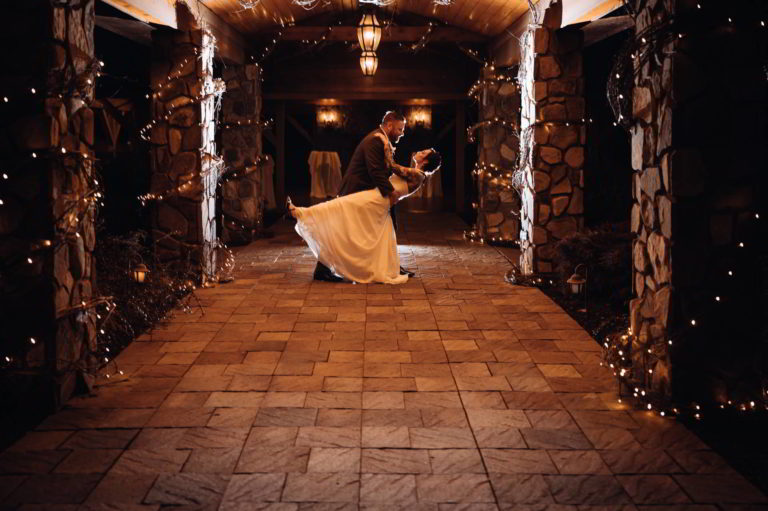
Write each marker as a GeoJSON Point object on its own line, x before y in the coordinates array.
{"type": "Point", "coordinates": [486, 17]}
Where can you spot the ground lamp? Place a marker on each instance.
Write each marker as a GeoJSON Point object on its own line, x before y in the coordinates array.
{"type": "Point", "coordinates": [140, 273]}
{"type": "Point", "coordinates": [577, 283]}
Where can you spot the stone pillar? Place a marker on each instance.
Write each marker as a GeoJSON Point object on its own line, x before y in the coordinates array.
{"type": "Point", "coordinates": [48, 204]}
{"type": "Point", "coordinates": [184, 162]}
{"type": "Point", "coordinates": [242, 204]}
{"type": "Point", "coordinates": [499, 202]}
{"type": "Point", "coordinates": [695, 189]}
{"type": "Point", "coordinates": [552, 139]}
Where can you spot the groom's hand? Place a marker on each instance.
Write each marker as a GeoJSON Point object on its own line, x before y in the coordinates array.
{"type": "Point", "coordinates": [393, 198]}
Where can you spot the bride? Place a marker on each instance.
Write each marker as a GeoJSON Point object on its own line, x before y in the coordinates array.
{"type": "Point", "coordinates": [353, 234]}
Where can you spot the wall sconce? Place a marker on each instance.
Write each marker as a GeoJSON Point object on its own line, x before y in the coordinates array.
{"type": "Point", "coordinates": [328, 117]}
{"type": "Point", "coordinates": [369, 32]}
{"type": "Point", "coordinates": [420, 116]}
{"type": "Point", "coordinates": [140, 273]}
{"type": "Point", "coordinates": [369, 62]}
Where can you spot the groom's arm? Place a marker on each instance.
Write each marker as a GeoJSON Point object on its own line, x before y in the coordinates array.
{"type": "Point", "coordinates": [376, 163]}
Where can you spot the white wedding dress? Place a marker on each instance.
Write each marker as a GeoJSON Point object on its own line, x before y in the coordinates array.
{"type": "Point", "coordinates": [353, 235]}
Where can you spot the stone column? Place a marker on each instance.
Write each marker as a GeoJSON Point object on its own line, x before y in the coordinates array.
{"type": "Point", "coordinates": [48, 204]}
{"type": "Point", "coordinates": [242, 204]}
{"type": "Point", "coordinates": [552, 139]}
{"type": "Point", "coordinates": [184, 162]}
{"type": "Point", "coordinates": [499, 203]}
{"type": "Point", "coordinates": [695, 190]}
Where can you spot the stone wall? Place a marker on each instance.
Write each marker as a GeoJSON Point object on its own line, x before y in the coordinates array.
{"type": "Point", "coordinates": [242, 206]}
{"type": "Point", "coordinates": [47, 214]}
{"type": "Point", "coordinates": [498, 206]}
{"type": "Point", "coordinates": [553, 138]}
{"type": "Point", "coordinates": [695, 190]}
{"type": "Point", "coordinates": [184, 162]}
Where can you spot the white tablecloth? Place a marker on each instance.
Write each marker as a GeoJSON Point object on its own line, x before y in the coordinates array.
{"type": "Point", "coordinates": [325, 169]}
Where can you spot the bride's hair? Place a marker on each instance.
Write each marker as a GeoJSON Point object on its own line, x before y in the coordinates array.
{"type": "Point", "coordinates": [432, 162]}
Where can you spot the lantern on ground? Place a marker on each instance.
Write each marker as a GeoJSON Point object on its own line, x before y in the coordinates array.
{"type": "Point", "coordinates": [577, 283]}
{"type": "Point", "coordinates": [140, 273]}
{"type": "Point", "coordinates": [369, 62]}
{"type": "Point", "coordinates": [369, 32]}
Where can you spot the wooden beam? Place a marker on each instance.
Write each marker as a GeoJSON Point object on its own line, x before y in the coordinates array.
{"type": "Point", "coordinates": [160, 12]}
{"type": "Point", "coordinates": [598, 30]}
{"type": "Point", "coordinates": [301, 130]}
{"type": "Point", "coordinates": [579, 11]}
{"type": "Point", "coordinates": [392, 34]}
{"type": "Point", "coordinates": [374, 94]}
{"type": "Point", "coordinates": [461, 143]}
{"type": "Point", "coordinates": [280, 167]}
{"type": "Point", "coordinates": [230, 44]}
{"type": "Point", "coordinates": [446, 129]}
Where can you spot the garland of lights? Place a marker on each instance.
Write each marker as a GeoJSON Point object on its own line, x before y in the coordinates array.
{"type": "Point", "coordinates": [648, 44]}
{"type": "Point", "coordinates": [617, 356]}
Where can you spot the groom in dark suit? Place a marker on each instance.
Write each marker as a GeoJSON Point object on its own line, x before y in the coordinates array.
{"type": "Point", "coordinates": [370, 167]}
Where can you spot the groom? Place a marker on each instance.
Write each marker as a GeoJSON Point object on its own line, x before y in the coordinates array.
{"type": "Point", "coordinates": [370, 167]}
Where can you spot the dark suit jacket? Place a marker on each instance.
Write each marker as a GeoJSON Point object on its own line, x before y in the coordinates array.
{"type": "Point", "coordinates": [368, 167]}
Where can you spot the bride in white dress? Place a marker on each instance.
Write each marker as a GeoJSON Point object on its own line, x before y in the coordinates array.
{"type": "Point", "coordinates": [353, 235]}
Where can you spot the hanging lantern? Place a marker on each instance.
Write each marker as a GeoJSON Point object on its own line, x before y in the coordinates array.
{"type": "Point", "coordinates": [369, 62]}
{"type": "Point", "coordinates": [369, 33]}
{"type": "Point", "coordinates": [140, 273]}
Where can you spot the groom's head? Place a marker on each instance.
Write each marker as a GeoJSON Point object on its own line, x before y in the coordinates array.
{"type": "Point", "coordinates": [393, 125]}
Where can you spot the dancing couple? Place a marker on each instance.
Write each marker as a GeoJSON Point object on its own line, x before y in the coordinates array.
{"type": "Point", "coordinates": [353, 236]}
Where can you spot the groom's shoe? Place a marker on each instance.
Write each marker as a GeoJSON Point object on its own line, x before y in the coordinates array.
{"type": "Point", "coordinates": [322, 272]}
{"type": "Point", "coordinates": [410, 274]}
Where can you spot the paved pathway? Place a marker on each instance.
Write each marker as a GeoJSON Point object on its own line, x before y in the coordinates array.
{"type": "Point", "coordinates": [453, 392]}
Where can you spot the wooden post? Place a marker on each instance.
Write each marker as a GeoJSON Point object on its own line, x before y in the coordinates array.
{"type": "Point", "coordinates": [461, 142]}
{"type": "Point", "coordinates": [280, 136]}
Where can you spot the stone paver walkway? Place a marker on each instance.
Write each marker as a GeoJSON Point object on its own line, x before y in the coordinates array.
{"type": "Point", "coordinates": [453, 392]}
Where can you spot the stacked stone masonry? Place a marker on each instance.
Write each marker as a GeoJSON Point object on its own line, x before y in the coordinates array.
{"type": "Point", "coordinates": [184, 166]}
{"type": "Point", "coordinates": [554, 114]}
{"type": "Point", "coordinates": [242, 206]}
{"type": "Point", "coordinates": [499, 207]}
{"type": "Point", "coordinates": [694, 184]}
{"type": "Point", "coordinates": [47, 233]}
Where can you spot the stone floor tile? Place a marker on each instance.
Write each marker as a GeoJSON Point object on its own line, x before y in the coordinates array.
{"type": "Point", "coordinates": [273, 459]}
{"type": "Point", "coordinates": [456, 461]}
{"type": "Point", "coordinates": [322, 487]}
{"type": "Point", "coordinates": [653, 489]}
{"type": "Point", "coordinates": [338, 418]}
{"type": "Point", "coordinates": [50, 440]}
{"type": "Point", "coordinates": [188, 490]}
{"type": "Point", "coordinates": [212, 460]}
{"type": "Point", "coordinates": [180, 417]}
{"type": "Point", "coordinates": [485, 418]}
{"type": "Point", "coordinates": [586, 489]}
{"type": "Point", "coordinates": [551, 419]}
{"type": "Point", "coordinates": [53, 489]}
{"type": "Point", "coordinates": [247, 491]}
{"type": "Point", "coordinates": [389, 489]}
{"type": "Point", "coordinates": [502, 438]}
{"type": "Point", "coordinates": [466, 488]}
{"type": "Point", "coordinates": [321, 436]}
{"type": "Point", "coordinates": [518, 461]}
{"type": "Point", "coordinates": [482, 400]}
{"type": "Point", "coordinates": [349, 400]}
{"type": "Point", "coordinates": [145, 461]}
{"type": "Point", "coordinates": [271, 436]}
{"type": "Point", "coordinates": [578, 462]}
{"type": "Point", "coordinates": [232, 417]}
{"type": "Point", "coordinates": [325, 459]}
{"type": "Point", "coordinates": [395, 461]}
{"type": "Point", "coordinates": [442, 438]}
{"type": "Point", "coordinates": [30, 462]}
{"type": "Point", "coordinates": [385, 436]}
{"type": "Point", "coordinates": [639, 461]}
{"type": "Point", "coordinates": [700, 462]}
{"type": "Point", "coordinates": [383, 400]}
{"type": "Point", "coordinates": [284, 400]}
{"type": "Point", "coordinates": [392, 418]}
{"type": "Point", "coordinates": [707, 488]}
{"type": "Point", "coordinates": [88, 461]}
{"type": "Point", "coordinates": [443, 418]}
{"type": "Point", "coordinates": [523, 491]}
